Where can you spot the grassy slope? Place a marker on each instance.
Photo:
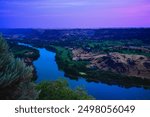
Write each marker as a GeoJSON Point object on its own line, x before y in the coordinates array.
{"type": "Point", "coordinates": [76, 69]}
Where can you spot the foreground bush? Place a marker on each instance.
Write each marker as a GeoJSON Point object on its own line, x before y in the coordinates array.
{"type": "Point", "coordinates": [59, 90]}
{"type": "Point", "coordinates": [15, 76]}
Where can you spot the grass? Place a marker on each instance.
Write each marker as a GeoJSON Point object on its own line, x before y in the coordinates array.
{"type": "Point", "coordinates": [75, 69]}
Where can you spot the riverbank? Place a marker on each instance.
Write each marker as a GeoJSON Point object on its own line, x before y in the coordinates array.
{"type": "Point", "coordinates": [58, 89]}
{"type": "Point", "coordinates": [75, 68]}
{"type": "Point", "coordinates": [48, 70]}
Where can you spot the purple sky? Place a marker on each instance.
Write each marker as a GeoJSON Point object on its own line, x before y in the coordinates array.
{"type": "Point", "coordinates": [74, 13]}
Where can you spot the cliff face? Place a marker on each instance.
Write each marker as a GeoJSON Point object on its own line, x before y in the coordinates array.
{"type": "Point", "coordinates": [130, 65]}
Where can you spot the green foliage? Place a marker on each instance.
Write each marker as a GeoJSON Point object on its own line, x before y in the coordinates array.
{"type": "Point", "coordinates": [15, 76]}
{"type": "Point", "coordinates": [11, 70]}
{"type": "Point", "coordinates": [59, 90]}
{"type": "Point", "coordinates": [65, 62]}
{"type": "Point", "coordinates": [75, 69]}
{"type": "Point", "coordinates": [23, 51]}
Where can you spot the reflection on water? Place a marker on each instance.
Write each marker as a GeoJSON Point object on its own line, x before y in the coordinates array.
{"type": "Point", "coordinates": [47, 69]}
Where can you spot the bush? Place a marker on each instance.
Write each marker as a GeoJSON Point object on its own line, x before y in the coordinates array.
{"type": "Point", "coordinates": [14, 75]}
{"type": "Point", "coordinates": [59, 90]}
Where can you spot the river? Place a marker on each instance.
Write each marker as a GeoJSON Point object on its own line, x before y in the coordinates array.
{"type": "Point", "coordinates": [47, 69]}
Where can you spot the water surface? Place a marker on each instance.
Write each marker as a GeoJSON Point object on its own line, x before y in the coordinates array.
{"type": "Point", "coordinates": [47, 69]}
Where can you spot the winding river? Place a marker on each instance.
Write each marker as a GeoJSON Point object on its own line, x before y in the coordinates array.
{"type": "Point", "coordinates": [47, 69]}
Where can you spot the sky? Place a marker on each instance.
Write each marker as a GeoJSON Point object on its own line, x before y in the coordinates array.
{"type": "Point", "coordinates": [74, 13]}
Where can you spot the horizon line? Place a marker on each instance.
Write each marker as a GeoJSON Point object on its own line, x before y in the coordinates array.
{"type": "Point", "coordinates": [81, 28]}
